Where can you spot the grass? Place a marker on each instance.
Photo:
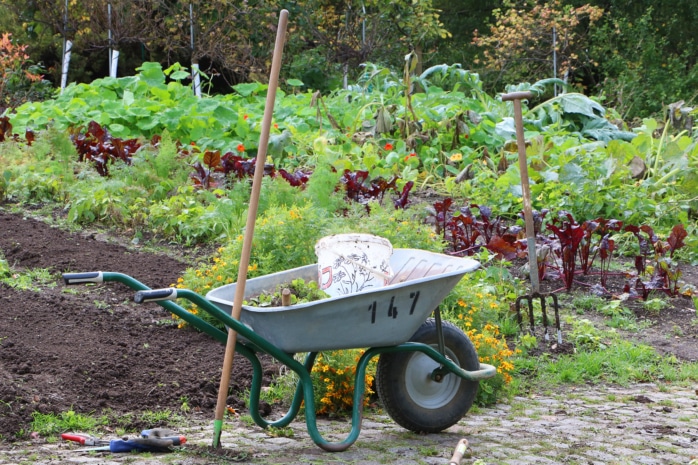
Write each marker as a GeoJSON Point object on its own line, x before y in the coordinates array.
{"type": "Point", "coordinates": [161, 417]}
{"type": "Point", "coordinates": [28, 280]}
{"type": "Point", "coordinates": [49, 424]}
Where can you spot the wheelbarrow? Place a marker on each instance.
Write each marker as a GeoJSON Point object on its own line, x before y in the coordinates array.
{"type": "Point", "coordinates": [428, 370]}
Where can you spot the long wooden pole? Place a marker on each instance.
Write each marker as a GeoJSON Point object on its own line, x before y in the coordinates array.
{"type": "Point", "coordinates": [249, 228]}
{"type": "Point", "coordinates": [516, 97]}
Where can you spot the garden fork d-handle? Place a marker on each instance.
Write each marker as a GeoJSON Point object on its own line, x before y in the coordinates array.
{"type": "Point", "coordinates": [516, 97]}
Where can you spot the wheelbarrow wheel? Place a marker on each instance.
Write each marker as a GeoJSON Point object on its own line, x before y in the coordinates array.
{"type": "Point", "coordinates": [408, 393]}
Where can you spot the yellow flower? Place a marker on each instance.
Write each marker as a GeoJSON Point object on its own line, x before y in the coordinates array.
{"type": "Point", "coordinates": [456, 157]}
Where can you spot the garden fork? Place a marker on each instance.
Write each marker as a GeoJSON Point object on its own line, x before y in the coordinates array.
{"type": "Point", "coordinates": [516, 98]}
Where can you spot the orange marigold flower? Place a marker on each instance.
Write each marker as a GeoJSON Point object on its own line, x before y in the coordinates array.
{"type": "Point", "coordinates": [241, 148]}
{"type": "Point", "coordinates": [388, 146]}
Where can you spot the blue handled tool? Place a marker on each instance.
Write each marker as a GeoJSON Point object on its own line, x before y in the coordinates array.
{"type": "Point", "coordinates": [155, 440]}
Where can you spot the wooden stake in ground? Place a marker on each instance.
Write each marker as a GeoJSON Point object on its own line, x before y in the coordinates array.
{"type": "Point", "coordinates": [249, 227]}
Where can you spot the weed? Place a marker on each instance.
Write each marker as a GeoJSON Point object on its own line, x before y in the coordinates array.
{"type": "Point", "coordinates": [161, 417]}
{"type": "Point", "coordinates": [274, 432]}
{"type": "Point", "coordinates": [586, 302]}
{"type": "Point", "coordinates": [101, 305]}
{"type": "Point", "coordinates": [30, 280]}
{"type": "Point", "coordinates": [4, 267]}
{"type": "Point", "coordinates": [586, 336]}
{"type": "Point", "coordinates": [528, 342]}
{"type": "Point", "coordinates": [624, 322]}
{"type": "Point", "coordinates": [184, 404]}
{"type": "Point", "coordinates": [655, 305]}
{"type": "Point", "coordinates": [51, 424]}
{"type": "Point", "coordinates": [613, 308]}
{"type": "Point", "coordinates": [281, 389]}
{"type": "Point", "coordinates": [428, 451]}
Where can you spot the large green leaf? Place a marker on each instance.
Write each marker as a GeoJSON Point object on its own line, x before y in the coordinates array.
{"type": "Point", "coordinates": [152, 74]}
{"type": "Point", "coordinates": [248, 89]}
{"type": "Point", "coordinates": [579, 103]}
{"type": "Point", "coordinates": [601, 129]}
{"type": "Point", "coordinates": [572, 173]}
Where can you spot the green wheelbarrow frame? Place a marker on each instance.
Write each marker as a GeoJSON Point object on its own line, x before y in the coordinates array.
{"type": "Point", "coordinates": [254, 344]}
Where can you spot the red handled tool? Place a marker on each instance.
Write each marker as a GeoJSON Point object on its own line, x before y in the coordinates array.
{"type": "Point", "coordinates": [84, 439]}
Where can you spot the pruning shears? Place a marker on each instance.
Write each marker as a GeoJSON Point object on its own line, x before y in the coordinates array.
{"type": "Point", "coordinates": [151, 440]}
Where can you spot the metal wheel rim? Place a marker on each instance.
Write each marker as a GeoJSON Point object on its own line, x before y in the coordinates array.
{"type": "Point", "coordinates": [424, 391]}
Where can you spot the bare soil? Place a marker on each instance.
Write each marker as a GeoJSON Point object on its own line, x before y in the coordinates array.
{"type": "Point", "coordinates": [92, 350]}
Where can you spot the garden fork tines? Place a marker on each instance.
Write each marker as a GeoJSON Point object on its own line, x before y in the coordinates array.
{"type": "Point", "coordinates": [529, 299]}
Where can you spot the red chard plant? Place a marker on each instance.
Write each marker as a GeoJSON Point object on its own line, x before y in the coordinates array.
{"type": "Point", "coordinates": [570, 235]}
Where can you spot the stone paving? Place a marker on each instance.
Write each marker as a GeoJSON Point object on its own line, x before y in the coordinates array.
{"type": "Point", "coordinates": [642, 424]}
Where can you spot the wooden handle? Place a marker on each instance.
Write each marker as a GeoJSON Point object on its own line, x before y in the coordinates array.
{"type": "Point", "coordinates": [510, 97]}
{"type": "Point", "coordinates": [249, 228]}
{"type": "Point", "coordinates": [286, 297]}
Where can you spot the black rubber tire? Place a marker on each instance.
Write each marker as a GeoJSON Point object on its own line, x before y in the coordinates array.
{"type": "Point", "coordinates": [408, 394]}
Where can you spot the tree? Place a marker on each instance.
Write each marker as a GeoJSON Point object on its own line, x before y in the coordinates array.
{"type": "Point", "coordinates": [519, 45]}
{"type": "Point", "coordinates": [352, 32]}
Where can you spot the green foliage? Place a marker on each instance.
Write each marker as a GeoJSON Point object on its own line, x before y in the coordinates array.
{"type": "Point", "coordinates": [624, 61]}
{"type": "Point", "coordinates": [4, 267]}
{"type": "Point", "coordinates": [49, 424]}
{"type": "Point", "coordinates": [20, 79]}
{"type": "Point", "coordinates": [586, 337]}
{"type": "Point", "coordinates": [300, 292]}
{"type": "Point", "coordinates": [333, 378]}
{"type": "Point", "coordinates": [520, 40]}
{"type": "Point", "coordinates": [621, 362]}
{"type": "Point", "coordinates": [578, 163]}
{"type": "Point", "coordinates": [32, 279]}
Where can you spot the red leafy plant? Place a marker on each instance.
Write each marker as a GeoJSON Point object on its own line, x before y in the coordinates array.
{"type": "Point", "coordinates": [666, 272]}
{"type": "Point", "coordinates": [466, 232]}
{"type": "Point", "coordinates": [213, 169]}
{"type": "Point", "coordinates": [6, 131]}
{"type": "Point", "coordinates": [358, 188]}
{"type": "Point", "coordinates": [569, 234]}
{"type": "Point", "coordinates": [99, 147]}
